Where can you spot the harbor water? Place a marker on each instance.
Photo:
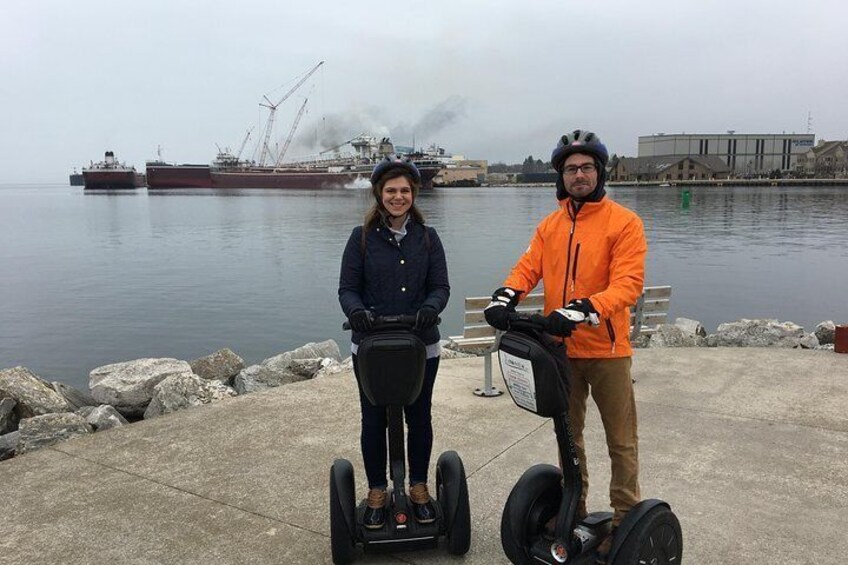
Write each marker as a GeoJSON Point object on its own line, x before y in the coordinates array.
{"type": "Point", "coordinates": [90, 279]}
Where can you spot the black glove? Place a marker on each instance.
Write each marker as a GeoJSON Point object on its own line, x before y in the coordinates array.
{"type": "Point", "coordinates": [361, 321]}
{"type": "Point", "coordinates": [497, 312]}
{"type": "Point", "coordinates": [559, 324]}
{"type": "Point", "coordinates": [426, 318]}
{"type": "Point", "coordinates": [585, 306]}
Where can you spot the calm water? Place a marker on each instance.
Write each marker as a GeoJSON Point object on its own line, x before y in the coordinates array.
{"type": "Point", "coordinates": [91, 279]}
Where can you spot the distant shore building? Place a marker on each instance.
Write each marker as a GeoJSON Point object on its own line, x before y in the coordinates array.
{"type": "Point", "coordinates": [667, 168]}
{"type": "Point", "coordinates": [744, 154]}
{"type": "Point", "coordinates": [828, 159]}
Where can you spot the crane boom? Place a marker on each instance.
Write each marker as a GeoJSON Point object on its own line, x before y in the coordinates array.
{"type": "Point", "coordinates": [291, 133]}
{"type": "Point", "coordinates": [266, 150]}
{"type": "Point", "coordinates": [243, 143]}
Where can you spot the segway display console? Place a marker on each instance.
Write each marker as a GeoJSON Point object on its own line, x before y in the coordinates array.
{"type": "Point", "coordinates": [535, 371]}
{"type": "Point", "coordinates": [391, 362]}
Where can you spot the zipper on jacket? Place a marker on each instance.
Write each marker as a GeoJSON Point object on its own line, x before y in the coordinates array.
{"type": "Point", "coordinates": [574, 267]}
{"type": "Point", "coordinates": [573, 216]}
{"type": "Point", "coordinates": [611, 333]}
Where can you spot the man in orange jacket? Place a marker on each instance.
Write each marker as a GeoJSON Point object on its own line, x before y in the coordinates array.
{"type": "Point", "coordinates": [591, 255]}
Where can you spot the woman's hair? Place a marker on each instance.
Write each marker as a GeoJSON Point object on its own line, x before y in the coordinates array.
{"type": "Point", "coordinates": [377, 214]}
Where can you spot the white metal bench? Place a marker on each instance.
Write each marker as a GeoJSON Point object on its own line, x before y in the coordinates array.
{"type": "Point", "coordinates": [650, 311]}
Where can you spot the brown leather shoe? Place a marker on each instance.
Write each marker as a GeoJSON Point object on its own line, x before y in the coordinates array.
{"type": "Point", "coordinates": [549, 531]}
{"type": "Point", "coordinates": [604, 548]}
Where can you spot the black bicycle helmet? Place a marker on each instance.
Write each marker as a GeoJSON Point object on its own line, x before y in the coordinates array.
{"type": "Point", "coordinates": [390, 162]}
{"type": "Point", "coordinates": [581, 141]}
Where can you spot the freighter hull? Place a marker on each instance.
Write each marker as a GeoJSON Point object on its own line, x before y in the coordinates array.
{"type": "Point", "coordinates": [161, 175]}
{"type": "Point", "coordinates": [111, 180]}
{"type": "Point", "coordinates": [288, 179]}
{"type": "Point", "coordinates": [185, 176]}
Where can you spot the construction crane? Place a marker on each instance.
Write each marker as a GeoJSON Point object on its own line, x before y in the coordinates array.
{"type": "Point", "coordinates": [291, 133]}
{"type": "Point", "coordinates": [243, 143]}
{"type": "Point", "coordinates": [339, 146]}
{"type": "Point", "coordinates": [269, 125]}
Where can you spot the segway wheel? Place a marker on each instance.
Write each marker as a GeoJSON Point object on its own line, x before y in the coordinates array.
{"type": "Point", "coordinates": [656, 538]}
{"type": "Point", "coordinates": [342, 512]}
{"type": "Point", "coordinates": [534, 499]}
{"type": "Point", "coordinates": [452, 494]}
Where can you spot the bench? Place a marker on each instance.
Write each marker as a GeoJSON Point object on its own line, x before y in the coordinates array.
{"type": "Point", "coordinates": [649, 312]}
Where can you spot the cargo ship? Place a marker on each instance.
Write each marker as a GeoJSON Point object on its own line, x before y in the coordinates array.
{"type": "Point", "coordinates": [76, 179]}
{"type": "Point", "coordinates": [338, 171]}
{"type": "Point", "coordinates": [109, 174]}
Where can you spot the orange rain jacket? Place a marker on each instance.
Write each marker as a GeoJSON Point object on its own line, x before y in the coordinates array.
{"type": "Point", "coordinates": [597, 253]}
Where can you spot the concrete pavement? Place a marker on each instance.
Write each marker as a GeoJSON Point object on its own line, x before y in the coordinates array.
{"type": "Point", "coordinates": [749, 446]}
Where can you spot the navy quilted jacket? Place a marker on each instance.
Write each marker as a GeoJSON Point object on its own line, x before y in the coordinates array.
{"type": "Point", "coordinates": [395, 278]}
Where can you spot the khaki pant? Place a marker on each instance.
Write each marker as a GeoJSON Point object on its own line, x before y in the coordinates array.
{"type": "Point", "coordinates": [612, 390]}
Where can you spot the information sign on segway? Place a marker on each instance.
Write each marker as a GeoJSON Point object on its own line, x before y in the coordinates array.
{"type": "Point", "coordinates": [391, 361]}
{"type": "Point", "coordinates": [535, 373]}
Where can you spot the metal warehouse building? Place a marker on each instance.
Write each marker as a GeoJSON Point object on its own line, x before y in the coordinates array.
{"type": "Point", "coordinates": [745, 154]}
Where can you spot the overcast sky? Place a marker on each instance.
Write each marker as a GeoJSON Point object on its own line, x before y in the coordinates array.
{"type": "Point", "coordinates": [496, 80]}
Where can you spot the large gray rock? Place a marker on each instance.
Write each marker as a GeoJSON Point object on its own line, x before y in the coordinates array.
{"type": "Point", "coordinates": [761, 333]}
{"type": "Point", "coordinates": [693, 327]}
{"type": "Point", "coordinates": [184, 391]}
{"type": "Point", "coordinates": [8, 445]}
{"type": "Point", "coordinates": [279, 370]}
{"type": "Point", "coordinates": [75, 398]}
{"type": "Point", "coordinates": [104, 417]}
{"type": "Point", "coordinates": [33, 395]}
{"type": "Point", "coordinates": [129, 386]}
{"type": "Point", "coordinates": [8, 421]}
{"type": "Point", "coordinates": [826, 332]}
{"type": "Point", "coordinates": [451, 351]}
{"type": "Point", "coordinates": [333, 367]}
{"type": "Point", "coordinates": [222, 366]}
{"type": "Point", "coordinates": [668, 335]}
{"type": "Point", "coordinates": [48, 429]}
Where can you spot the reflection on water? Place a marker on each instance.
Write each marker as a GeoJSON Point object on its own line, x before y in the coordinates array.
{"type": "Point", "coordinates": [90, 279]}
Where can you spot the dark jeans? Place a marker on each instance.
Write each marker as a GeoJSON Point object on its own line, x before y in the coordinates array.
{"type": "Point", "coordinates": [419, 438]}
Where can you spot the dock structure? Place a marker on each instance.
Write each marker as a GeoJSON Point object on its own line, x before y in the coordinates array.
{"type": "Point", "coordinates": [747, 445]}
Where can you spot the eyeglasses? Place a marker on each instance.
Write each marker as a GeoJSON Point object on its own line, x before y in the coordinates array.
{"type": "Point", "coordinates": [586, 169]}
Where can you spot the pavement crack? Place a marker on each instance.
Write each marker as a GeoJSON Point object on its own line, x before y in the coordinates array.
{"type": "Point", "coordinates": [188, 492]}
{"type": "Point", "coordinates": [507, 448]}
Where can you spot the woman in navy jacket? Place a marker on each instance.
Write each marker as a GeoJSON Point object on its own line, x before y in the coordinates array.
{"type": "Point", "coordinates": [395, 265]}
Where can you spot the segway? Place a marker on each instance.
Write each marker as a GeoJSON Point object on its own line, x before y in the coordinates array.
{"type": "Point", "coordinates": [536, 376]}
{"type": "Point", "coordinates": [391, 363]}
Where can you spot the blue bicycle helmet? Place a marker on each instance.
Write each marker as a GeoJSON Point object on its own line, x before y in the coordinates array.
{"type": "Point", "coordinates": [580, 141]}
{"type": "Point", "coordinates": [390, 162]}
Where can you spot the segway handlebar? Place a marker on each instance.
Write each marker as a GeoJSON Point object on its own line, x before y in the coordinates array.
{"type": "Point", "coordinates": [403, 320]}
{"type": "Point", "coordinates": [522, 320]}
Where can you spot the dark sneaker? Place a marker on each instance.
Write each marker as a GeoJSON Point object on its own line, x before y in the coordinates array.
{"type": "Point", "coordinates": [422, 507]}
{"type": "Point", "coordinates": [604, 549]}
{"type": "Point", "coordinates": [375, 509]}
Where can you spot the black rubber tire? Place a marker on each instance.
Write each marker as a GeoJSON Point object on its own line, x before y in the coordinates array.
{"type": "Point", "coordinates": [533, 500]}
{"type": "Point", "coordinates": [656, 538]}
{"type": "Point", "coordinates": [342, 512]}
{"type": "Point", "coordinates": [452, 494]}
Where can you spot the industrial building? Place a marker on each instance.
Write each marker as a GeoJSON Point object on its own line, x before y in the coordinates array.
{"type": "Point", "coordinates": [746, 155]}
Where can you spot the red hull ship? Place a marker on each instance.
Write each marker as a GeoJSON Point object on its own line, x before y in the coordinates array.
{"type": "Point", "coordinates": [227, 172]}
{"type": "Point", "coordinates": [109, 174]}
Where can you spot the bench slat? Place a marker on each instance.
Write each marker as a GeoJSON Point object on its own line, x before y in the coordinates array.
{"type": "Point", "coordinates": [654, 310]}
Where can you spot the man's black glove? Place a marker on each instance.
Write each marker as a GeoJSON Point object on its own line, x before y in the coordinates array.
{"type": "Point", "coordinates": [585, 306]}
{"type": "Point", "coordinates": [559, 324]}
{"type": "Point", "coordinates": [361, 321]}
{"type": "Point", "coordinates": [503, 302]}
{"type": "Point", "coordinates": [426, 318]}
